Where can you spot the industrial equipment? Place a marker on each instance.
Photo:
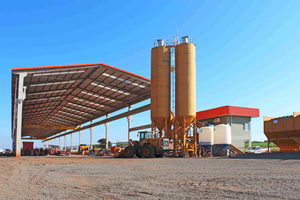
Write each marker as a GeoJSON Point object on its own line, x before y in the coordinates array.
{"type": "Point", "coordinates": [283, 131]}
{"type": "Point", "coordinates": [118, 152]}
{"type": "Point", "coordinates": [148, 146]}
{"type": "Point", "coordinates": [174, 133]}
{"type": "Point", "coordinates": [181, 127]}
{"type": "Point", "coordinates": [160, 88]}
{"type": "Point", "coordinates": [83, 147]}
{"type": "Point", "coordinates": [54, 150]}
{"type": "Point", "coordinates": [206, 140]}
{"type": "Point", "coordinates": [222, 140]}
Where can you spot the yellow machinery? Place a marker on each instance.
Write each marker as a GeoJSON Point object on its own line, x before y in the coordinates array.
{"type": "Point", "coordinates": [84, 148]}
{"type": "Point", "coordinates": [148, 146]}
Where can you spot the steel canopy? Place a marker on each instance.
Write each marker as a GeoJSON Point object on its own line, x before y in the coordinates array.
{"type": "Point", "coordinates": [71, 95]}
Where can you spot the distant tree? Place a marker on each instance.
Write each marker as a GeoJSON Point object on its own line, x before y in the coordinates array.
{"type": "Point", "coordinates": [102, 143]}
{"type": "Point", "coordinates": [122, 144]}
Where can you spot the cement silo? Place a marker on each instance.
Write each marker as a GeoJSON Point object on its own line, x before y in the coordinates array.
{"type": "Point", "coordinates": [179, 127]}
{"type": "Point", "coordinates": [185, 69]}
{"type": "Point", "coordinates": [160, 87]}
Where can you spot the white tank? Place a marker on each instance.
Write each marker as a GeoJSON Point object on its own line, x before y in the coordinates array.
{"type": "Point", "coordinates": [222, 134]}
{"type": "Point", "coordinates": [206, 136]}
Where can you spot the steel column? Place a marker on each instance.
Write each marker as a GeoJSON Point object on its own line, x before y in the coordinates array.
{"type": "Point", "coordinates": [65, 143]}
{"type": "Point", "coordinates": [71, 142]}
{"type": "Point", "coordinates": [195, 139]}
{"type": "Point", "coordinates": [129, 118]}
{"type": "Point", "coordinates": [60, 143]}
{"type": "Point", "coordinates": [106, 128]}
{"type": "Point", "coordinates": [91, 136]}
{"type": "Point", "coordinates": [80, 132]}
{"type": "Point", "coordinates": [21, 98]}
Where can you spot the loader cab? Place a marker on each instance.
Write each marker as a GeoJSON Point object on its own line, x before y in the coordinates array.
{"type": "Point", "coordinates": [145, 135]}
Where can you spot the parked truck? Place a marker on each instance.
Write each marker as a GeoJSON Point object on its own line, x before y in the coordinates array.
{"type": "Point", "coordinates": [257, 150]}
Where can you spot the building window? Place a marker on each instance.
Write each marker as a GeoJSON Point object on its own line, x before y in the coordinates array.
{"type": "Point", "coordinates": [246, 126]}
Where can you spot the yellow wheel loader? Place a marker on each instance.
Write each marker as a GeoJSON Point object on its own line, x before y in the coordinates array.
{"type": "Point", "coordinates": [148, 146]}
{"type": "Point", "coordinates": [85, 148]}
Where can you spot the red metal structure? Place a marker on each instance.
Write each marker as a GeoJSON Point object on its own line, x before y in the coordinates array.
{"type": "Point", "coordinates": [27, 145]}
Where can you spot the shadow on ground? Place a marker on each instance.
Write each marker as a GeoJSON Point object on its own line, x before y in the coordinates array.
{"type": "Point", "coordinates": [277, 155]}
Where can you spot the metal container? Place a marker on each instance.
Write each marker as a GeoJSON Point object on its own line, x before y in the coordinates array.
{"type": "Point", "coordinates": [28, 145]}
{"type": "Point", "coordinates": [160, 86]}
{"type": "Point", "coordinates": [284, 131]}
{"type": "Point", "coordinates": [185, 71]}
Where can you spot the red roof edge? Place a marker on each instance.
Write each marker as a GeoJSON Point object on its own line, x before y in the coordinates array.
{"type": "Point", "coordinates": [77, 65]}
{"type": "Point", "coordinates": [227, 110]}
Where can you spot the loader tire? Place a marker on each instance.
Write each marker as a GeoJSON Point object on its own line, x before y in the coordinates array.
{"type": "Point", "coordinates": [147, 152]}
{"type": "Point", "coordinates": [137, 148]}
{"type": "Point", "coordinates": [129, 152]}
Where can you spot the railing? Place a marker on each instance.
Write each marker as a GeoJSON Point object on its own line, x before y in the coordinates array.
{"type": "Point", "coordinates": [173, 42]}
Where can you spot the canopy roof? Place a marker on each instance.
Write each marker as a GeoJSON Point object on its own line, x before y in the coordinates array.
{"type": "Point", "coordinates": [227, 110]}
{"type": "Point", "coordinates": [71, 95]}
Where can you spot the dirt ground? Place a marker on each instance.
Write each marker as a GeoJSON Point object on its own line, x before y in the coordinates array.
{"type": "Point", "coordinates": [78, 177]}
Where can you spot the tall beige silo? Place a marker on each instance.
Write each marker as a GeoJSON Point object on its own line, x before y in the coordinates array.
{"type": "Point", "coordinates": [160, 86]}
{"type": "Point", "coordinates": [185, 70]}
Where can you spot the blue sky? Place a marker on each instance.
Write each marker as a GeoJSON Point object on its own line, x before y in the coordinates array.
{"type": "Point", "coordinates": [247, 51]}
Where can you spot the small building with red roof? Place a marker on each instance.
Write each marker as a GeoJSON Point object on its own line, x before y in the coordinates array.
{"type": "Point", "coordinates": [239, 118]}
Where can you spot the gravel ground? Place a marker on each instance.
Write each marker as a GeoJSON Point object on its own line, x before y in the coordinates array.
{"type": "Point", "coordinates": [78, 177]}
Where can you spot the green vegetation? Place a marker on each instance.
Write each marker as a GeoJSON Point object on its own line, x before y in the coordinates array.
{"type": "Point", "coordinates": [102, 143]}
{"type": "Point", "coordinates": [262, 144]}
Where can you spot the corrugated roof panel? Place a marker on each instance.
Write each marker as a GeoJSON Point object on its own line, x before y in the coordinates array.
{"type": "Point", "coordinates": [75, 94]}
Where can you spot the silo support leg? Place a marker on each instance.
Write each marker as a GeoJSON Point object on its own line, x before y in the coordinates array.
{"type": "Point", "coordinates": [184, 137]}
{"type": "Point", "coordinates": [195, 139]}
{"type": "Point", "coordinates": [166, 127]}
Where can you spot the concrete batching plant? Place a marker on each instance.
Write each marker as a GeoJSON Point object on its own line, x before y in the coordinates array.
{"type": "Point", "coordinates": [170, 132]}
{"type": "Point", "coordinates": [181, 127]}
